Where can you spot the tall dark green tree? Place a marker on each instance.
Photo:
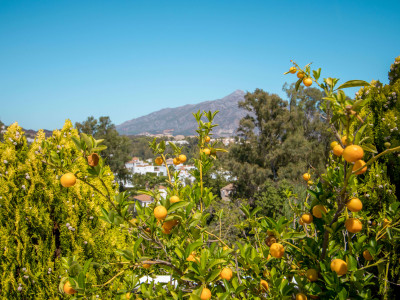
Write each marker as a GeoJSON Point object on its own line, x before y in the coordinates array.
{"type": "Point", "coordinates": [278, 140]}
{"type": "Point", "coordinates": [119, 147]}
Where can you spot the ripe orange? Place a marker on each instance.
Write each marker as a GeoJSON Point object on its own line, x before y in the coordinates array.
{"type": "Point", "coordinates": [128, 296]}
{"type": "Point", "coordinates": [358, 164]}
{"type": "Point", "coordinates": [264, 285]}
{"type": "Point", "coordinates": [133, 221]}
{"type": "Point", "coordinates": [338, 150]}
{"type": "Point", "coordinates": [339, 266]}
{"type": "Point", "coordinates": [166, 230]}
{"type": "Point", "coordinates": [226, 273]}
{"type": "Point", "coordinates": [300, 75]}
{"type": "Point", "coordinates": [160, 212]}
{"type": "Point", "coordinates": [270, 240]}
{"type": "Point", "coordinates": [353, 225]}
{"type": "Point", "coordinates": [206, 151]}
{"type": "Point", "coordinates": [146, 266]}
{"type": "Point", "coordinates": [192, 257]}
{"type": "Point", "coordinates": [306, 176]}
{"type": "Point", "coordinates": [276, 250]}
{"type": "Point", "coordinates": [353, 153]}
{"type": "Point", "coordinates": [346, 141]}
{"type": "Point", "coordinates": [292, 70]}
{"type": "Point", "coordinates": [68, 180]}
{"type": "Point", "coordinates": [205, 294]}
{"type": "Point", "coordinates": [207, 139]}
{"type": "Point", "coordinates": [182, 158]}
{"type": "Point", "coordinates": [301, 296]}
{"type": "Point", "coordinates": [307, 218]}
{"type": "Point", "coordinates": [93, 159]}
{"type": "Point", "coordinates": [354, 205]}
{"type": "Point", "coordinates": [168, 225]}
{"type": "Point", "coordinates": [312, 274]}
{"type": "Point", "coordinates": [310, 182]}
{"type": "Point", "coordinates": [318, 210]}
{"type": "Point", "coordinates": [307, 81]}
{"type": "Point", "coordinates": [334, 144]}
{"type": "Point", "coordinates": [367, 255]}
{"type": "Point", "coordinates": [176, 161]}
{"type": "Point", "coordinates": [174, 199]}
{"type": "Point", "coordinates": [386, 222]}
{"type": "Point", "coordinates": [68, 288]}
{"type": "Point", "coordinates": [159, 161]}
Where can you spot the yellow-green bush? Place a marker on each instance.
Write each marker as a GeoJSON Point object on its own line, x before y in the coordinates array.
{"type": "Point", "coordinates": [41, 221]}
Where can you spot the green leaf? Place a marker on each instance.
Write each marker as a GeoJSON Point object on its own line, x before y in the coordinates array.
{"type": "Point", "coordinates": [216, 262]}
{"type": "Point", "coordinates": [351, 263]}
{"type": "Point", "coordinates": [359, 134]}
{"type": "Point", "coordinates": [99, 148]}
{"type": "Point", "coordinates": [204, 259]}
{"type": "Point", "coordinates": [254, 211]}
{"type": "Point", "coordinates": [245, 210]}
{"type": "Point", "coordinates": [359, 104]}
{"type": "Point", "coordinates": [213, 275]}
{"type": "Point", "coordinates": [353, 83]}
{"type": "Point", "coordinates": [81, 281]}
{"type": "Point", "coordinates": [317, 74]}
{"type": "Point", "coordinates": [87, 265]}
{"type": "Point", "coordinates": [136, 246]}
{"type": "Point", "coordinates": [177, 205]}
{"type": "Point", "coordinates": [192, 247]}
{"type": "Point", "coordinates": [174, 295]}
{"type": "Point", "coordinates": [369, 148]}
{"type": "Point", "coordinates": [87, 141]}
{"type": "Point", "coordinates": [76, 142]}
{"type": "Point", "coordinates": [342, 294]}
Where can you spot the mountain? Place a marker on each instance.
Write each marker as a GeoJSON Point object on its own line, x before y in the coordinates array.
{"type": "Point", "coordinates": [180, 120]}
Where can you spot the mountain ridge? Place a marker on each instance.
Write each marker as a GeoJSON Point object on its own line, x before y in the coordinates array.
{"type": "Point", "coordinates": [180, 121]}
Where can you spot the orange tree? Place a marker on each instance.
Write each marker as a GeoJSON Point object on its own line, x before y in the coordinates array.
{"type": "Point", "coordinates": [41, 221]}
{"type": "Point", "coordinates": [330, 249]}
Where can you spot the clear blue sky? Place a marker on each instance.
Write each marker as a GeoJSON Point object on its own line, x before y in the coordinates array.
{"type": "Point", "coordinates": [72, 59]}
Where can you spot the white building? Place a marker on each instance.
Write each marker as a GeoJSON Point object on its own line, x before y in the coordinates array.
{"type": "Point", "coordinates": [144, 200]}
{"type": "Point", "coordinates": [136, 166]}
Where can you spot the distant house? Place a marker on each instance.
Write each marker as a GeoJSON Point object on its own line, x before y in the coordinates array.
{"type": "Point", "coordinates": [226, 192]}
{"type": "Point", "coordinates": [163, 191]}
{"type": "Point", "coordinates": [144, 200]}
{"type": "Point", "coordinates": [170, 161]}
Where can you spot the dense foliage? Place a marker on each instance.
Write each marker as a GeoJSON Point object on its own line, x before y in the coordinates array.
{"type": "Point", "coordinates": [278, 140]}
{"type": "Point", "coordinates": [41, 221]}
{"type": "Point", "coordinates": [118, 151]}
{"type": "Point", "coordinates": [329, 248]}
{"type": "Point", "coordinates": [336, 236]}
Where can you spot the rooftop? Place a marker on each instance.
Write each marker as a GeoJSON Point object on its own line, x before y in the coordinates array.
{"type": "Point", "coordinates": [143, 198]}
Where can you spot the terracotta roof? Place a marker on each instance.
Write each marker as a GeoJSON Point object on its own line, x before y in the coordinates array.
{"type": "Point", "coordinates": [143, 198]}
{"type": "Point", "coordinates": [228, 187]}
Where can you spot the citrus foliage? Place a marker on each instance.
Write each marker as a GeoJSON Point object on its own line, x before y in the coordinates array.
{"type": "Point", "coordinates": [328, 250]}
{"type": "Point", "coordinates": [41, 221]}
{"type": "Point", "coordinates": [332, 247]}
